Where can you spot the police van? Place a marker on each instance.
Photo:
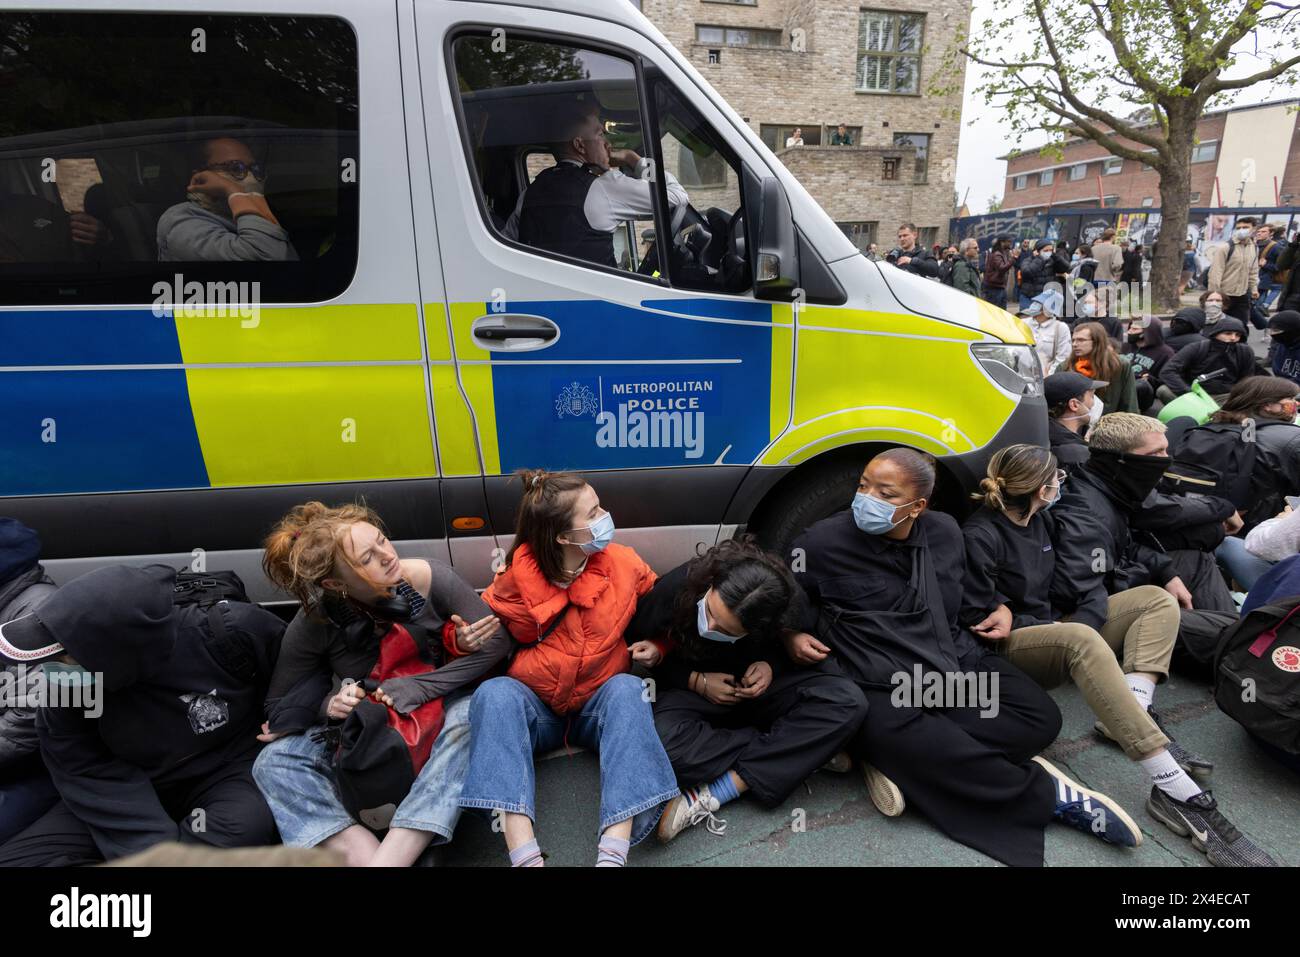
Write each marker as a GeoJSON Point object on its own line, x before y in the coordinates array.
{"type": "Point", "coordinates": [368, 324]}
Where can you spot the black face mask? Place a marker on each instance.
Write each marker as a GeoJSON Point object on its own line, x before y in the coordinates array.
{"type": "Point", "coordinates": [1135, 337]}
{"type": "Point", "coordinates": [1131, 477]}
{"type": "Point", "coordinates": [1180, 327]}
{"type": "Point", "coordinates": [1288, 337]}
{"type": "Point", "coordinates": [1218, 345]}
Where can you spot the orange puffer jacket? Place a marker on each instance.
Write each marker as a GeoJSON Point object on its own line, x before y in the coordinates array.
{"type": "Point", "coordinates": [586, 649]}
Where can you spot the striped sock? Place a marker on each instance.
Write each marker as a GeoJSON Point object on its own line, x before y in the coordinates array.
{"type": "Point", "coordinates": [527, 855]}
{"type": "Point", "coordinates": [724, 789]}
{"type": "Point", "coordinates": [612, 851]}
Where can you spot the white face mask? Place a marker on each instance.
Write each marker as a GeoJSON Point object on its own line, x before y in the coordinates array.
{"type": "Point", "coordinates": [1095, 412]}
{"type": "Point", "coordinates": [1242, 235]}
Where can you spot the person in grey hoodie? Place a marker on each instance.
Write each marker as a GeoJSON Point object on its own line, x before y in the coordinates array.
{"type": "Point", "coordinates": [225, 216]}
{"type": "Point", "coordinates": [26, 791]}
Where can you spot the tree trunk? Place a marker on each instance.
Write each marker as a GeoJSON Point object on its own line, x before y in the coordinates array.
{"type": "Point", "coordinates": [1175, 197]}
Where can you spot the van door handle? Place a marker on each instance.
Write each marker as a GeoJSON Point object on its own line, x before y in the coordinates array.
{"type": "Point", "coordinates": [514, 332]}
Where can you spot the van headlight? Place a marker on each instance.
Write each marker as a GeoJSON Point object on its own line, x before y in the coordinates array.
{"type": "Point", "coordinates": [1015, 368]}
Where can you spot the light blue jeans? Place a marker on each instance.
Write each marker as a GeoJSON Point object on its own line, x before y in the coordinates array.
{"type": "Point", "coordinates": [511, 724]}
{"type": "Point", "coordinates": [296, 776]}
{"type": "Point", "coordinates": [1241, 564]}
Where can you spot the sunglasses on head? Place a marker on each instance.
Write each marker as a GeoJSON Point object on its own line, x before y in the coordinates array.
{"type": "Point", "coordinates": [237, 168]}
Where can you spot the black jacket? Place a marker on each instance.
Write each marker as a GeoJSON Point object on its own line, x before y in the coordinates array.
{"type": "Point", "coordinates": [22, 593]}
{"type": "Point", "coordinates": [179, 702]}
{"type": "Point", "coordinates": [921, 261]}
{"type": "Point", "coordinates": [1035, 273]}
{"type": "Point", "coordinates": [1170, 522]}
{"type": "Point", "coordinates": [1068, 446]}
{"type": "Point", "coordinates": [1193, 319]}
{"type": "Point", "coordinates": [684, 653]}
{"type": "Point", "coordinates": [1202, 356]}
{"type": "Point", "coordinates": [1289, 258]}
{"type": "Point", "coordinates": [1096, 553]}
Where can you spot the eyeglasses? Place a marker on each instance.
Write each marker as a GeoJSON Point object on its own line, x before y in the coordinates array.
{"type": "Point", "coordinates": [236, 168]}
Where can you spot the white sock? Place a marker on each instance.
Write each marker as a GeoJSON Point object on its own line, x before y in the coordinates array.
{"type": "Point", "coordinates": [1143, 688]}
{"type": "Point", "coordinates": [1169, 777]}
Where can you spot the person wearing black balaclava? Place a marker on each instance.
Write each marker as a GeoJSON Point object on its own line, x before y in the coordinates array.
{"type": "Point", "coordinates": [1226, 357]}
{"type": "Point", "coordinates": [1284, 354]}
{"type": "Point", "coordinates": [1185, 327]}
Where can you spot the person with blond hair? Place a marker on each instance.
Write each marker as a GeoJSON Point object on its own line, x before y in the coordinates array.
{"type": "Point", "coordinates": [354, 593]}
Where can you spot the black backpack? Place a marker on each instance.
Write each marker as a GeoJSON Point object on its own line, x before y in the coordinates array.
{"type": "Point", "coordinates": [219, 600]}
{"type": "Point", "coordinates": [1220, 450]}
{"type": "Point", "coordinates": [1257, 673]}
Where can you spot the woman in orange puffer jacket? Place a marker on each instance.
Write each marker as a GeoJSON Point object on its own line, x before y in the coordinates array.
{"type": "Point", "coordinates": [565, 595]}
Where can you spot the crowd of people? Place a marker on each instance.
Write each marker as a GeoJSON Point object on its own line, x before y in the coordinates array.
{"type": "Point", "coordinates": [398, 698]}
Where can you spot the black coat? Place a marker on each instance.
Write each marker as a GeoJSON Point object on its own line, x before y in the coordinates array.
{"type": "Point", "coordinates": [920, 261]}
{"type": "Point", "coordinates": [1096, 553]}
{"type": "Point", "coordinates": [1289, 258]}
{"type": "Point", "coordinates": [1067, 445]}
{"type": "Point", "coordinates": [1199, 357]}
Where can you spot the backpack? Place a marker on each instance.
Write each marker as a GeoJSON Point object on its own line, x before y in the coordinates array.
{"type": "Point", "coordinates": [1257, 674]}
{"type": "Point", "coordinates": [218, 600]}
{"type": "Point", "coordinates": [1220, 449]}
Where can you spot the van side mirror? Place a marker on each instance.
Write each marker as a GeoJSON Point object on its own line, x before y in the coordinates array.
{"type": "Point", "coordinates": [776, 259]}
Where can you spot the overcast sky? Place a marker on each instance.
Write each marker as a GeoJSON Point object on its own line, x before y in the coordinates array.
{"type": "Point", "coordinates": [985, 134]}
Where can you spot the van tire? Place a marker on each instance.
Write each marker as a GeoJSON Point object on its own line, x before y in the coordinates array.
{"type": "Point", "coordinates": [805, 500]}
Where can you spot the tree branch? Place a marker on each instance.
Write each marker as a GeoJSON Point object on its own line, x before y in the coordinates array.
{"type": "Point", "coordinates": [1215, 85]}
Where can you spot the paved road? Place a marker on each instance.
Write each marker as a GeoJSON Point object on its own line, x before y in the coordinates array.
{"type": "Point", "coordinates": [844, 828]}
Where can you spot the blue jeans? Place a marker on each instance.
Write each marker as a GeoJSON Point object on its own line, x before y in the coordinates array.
{"type": "Point", "coordinates": [1241, 564]}
{"type": "Point", "coordinates": [511, 724]}
{"type": "Point", "coordinates": [996, 296]}
{"type": "Point", "coordinates": [296, 776]}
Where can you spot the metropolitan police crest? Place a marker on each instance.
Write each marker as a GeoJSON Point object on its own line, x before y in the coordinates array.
{"type": "Point", "coordinates": [577, 400]}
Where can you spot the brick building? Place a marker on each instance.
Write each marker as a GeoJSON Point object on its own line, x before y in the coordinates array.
{"type": "Point", "coordinates": [813, 64]}
{"type": "Point", "coordinates": [1245, 156]}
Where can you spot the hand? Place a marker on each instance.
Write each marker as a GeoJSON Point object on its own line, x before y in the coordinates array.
{"type": "Point", "coordinates": [996, 626]}
{"type": "Point", "coordinates": [756, 680]}
{"type": "Point", "coordinates": [470, 638]}
{"type": "Point", "coordinates": [349, 697]}
{"type": "Point", "coordinates": [624, 157]}
{"type": "Point", "coordinates": [1233, 523]}
{"type": "Point", "coordinates": [267, 735]}
{"type": "Point", "coordinates": [716, 687]}
{"type": "Point", "coordinates": [1179, 591]}
{"type": "Point", "coordinates": [646, 652]}
{"type": "Point", "coordinates": [804, 649]}
{"type": "Point", "coordinates": [902, 260]}
{"type": "Point", "coordinates": [1285, 512]}
{"type": "Point", "coordinates": [384, 699]}
{"type": "Point", "coordinates": [87, 230]}
{"type": "Point", "coordinates": [214, 184]}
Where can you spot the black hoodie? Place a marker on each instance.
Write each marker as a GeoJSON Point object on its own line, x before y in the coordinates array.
{"type": "Point", "coordinates": [1233, 361]}
{"type": "Point", "coordinates": [1185, 328]}
{"type": "Point", "coordinates": [179, 701]}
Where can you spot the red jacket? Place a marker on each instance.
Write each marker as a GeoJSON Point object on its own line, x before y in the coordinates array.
{"type": "Point", "coordinates": [586, 648]}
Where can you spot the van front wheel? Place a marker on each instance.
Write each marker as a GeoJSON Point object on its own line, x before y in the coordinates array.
{"type": "Point", "coordinates": [804, 500]}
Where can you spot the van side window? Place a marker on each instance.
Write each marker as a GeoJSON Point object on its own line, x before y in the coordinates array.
{"type": "Point", "coordinates": [554, 136]}
{"type": "Point", "coordinates": [707, 249]}
{"type": "Point", "coordinates": [135, 147]}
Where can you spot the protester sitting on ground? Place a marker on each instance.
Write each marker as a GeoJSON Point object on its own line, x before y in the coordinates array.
{"type": "Point", "coordinates": [225, 217]}
{"type": "Point", "coordinates": [26, 791]}
{"type": "Point", "coordinates": [161, 745]}
{"type": "Point", "coordinates": [1284, 353]}
{"type": "Point", "coordinates": [1185, 327]}
{"type": "Point", "coordinates": [357, 598]}
{"type": "Point", "coordinates": [734, 713]}
{"type": "Point", "coordinates": [566, 594]}
{"type": "Point", "coordinates": [1226, 357]}
{"type": "Point", "coordinates": [1086, 309]}
{"type": "Point", "coordinates": [1253, 444]}
{"type": "Point", "coordinates": [1212, 308]}
{"type": "Point", "coordinates": [1051, 335]}
{"type": "Point", "coordinates": [1096, 357]}
{"type": "Point", "coordinates": [1097, 556]}
{"type": "Point", "coordinates": [1009, 569]}
{"type": "Point", "coordinates": [1072, 409]}
{"type": "Point", "coordinates": [884, 584]}
{"type": "Point", "coordinates": [1273, 540]}
{"type": "Point", "coordinates": [1147, 354]}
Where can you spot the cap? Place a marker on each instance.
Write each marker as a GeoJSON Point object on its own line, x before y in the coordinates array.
{"type": "Point", "coordinates": [1061, 387]}
{"type": "Point", "coordinates": [26, 641]}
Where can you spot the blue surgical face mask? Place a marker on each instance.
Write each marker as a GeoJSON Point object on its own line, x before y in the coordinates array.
{"type": "Point", "coordinates": [702, 624]}
{"type": "Point", "coordinates": [1087, 309]}
{"type": "Point", "coordinates": [874, 515]}
{"type": "Point", "coordinates": [602, 533]}
{"type": "Point", "coordinates": [1049, 504]}
{"type": "Point", "coordinates": [65, 674]}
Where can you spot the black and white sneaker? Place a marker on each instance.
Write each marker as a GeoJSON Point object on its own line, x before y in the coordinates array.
{"type": "Point", "coordinates": [1194, 764]}
{"type": "Point", "coordinates": [1213, 834]}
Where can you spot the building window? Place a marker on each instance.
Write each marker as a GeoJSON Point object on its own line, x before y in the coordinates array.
{"type": "Point", "coordinates": [889, 51]}
{"type": "Point", "coordinates": [1110, 201]}
{"type": "Point", "coordinates": [1078, 171]}
{"type": "Point", "coordinates": [715, 56]}
{"type": "Point", "coordinates": [1205, 152]}
{"type": "Point", "coordinates": [738, 36]}
{"type": "Point", "coordinates": [1022, 181]}
{"type": "Point", "coordinates": [1112, 166]}
{"type": "Point", "coordinates": [922, 143]}
{"type": "Point", "coordinates": [1045, 177]}
{"type": "Point", "coordinates": [890, 168]}
{"type": "Point", "coordinates": [1147, 200]}
{"type": "Point", "coordinates": [861, 235]}
{"type": "Point", "coordinates": [775, 135]}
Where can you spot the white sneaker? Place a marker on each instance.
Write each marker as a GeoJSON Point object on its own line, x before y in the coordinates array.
{"type": "Point", "coordinates": [884, 793]}
{"type": "Point", "coordinates": [688, 809]}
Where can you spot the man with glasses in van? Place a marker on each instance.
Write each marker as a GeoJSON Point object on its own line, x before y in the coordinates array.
{"type": "Point", "coordinates": [574, 207]}
{"type": "Point", "coordinates": [225, 216]}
